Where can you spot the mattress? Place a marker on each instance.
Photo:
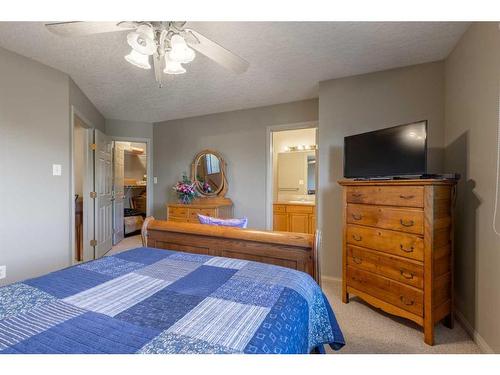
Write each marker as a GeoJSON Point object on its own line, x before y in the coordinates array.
{"type": "Point", "coordinates": [159, 301]}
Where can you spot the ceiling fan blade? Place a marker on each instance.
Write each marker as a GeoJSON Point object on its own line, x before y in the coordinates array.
{"type": "Point", "coordinates": [79, 28]}
{"type": "Point", "coordinates": [216, 52]}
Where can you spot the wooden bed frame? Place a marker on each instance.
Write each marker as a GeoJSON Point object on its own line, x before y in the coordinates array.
{"type": "Point", "coordinates": [293, 250]}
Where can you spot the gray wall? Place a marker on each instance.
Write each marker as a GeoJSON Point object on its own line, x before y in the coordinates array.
{"type": "Point", "coordinates": [34, 134]}
{"type": "Point", "coordinates": [241, 138]}
{"type": "Point", "coordinates": [368, 102]}
{"type": "Point", "coordinates": [472, 102]}
{"type": "Point", "coordinates": [34, 223]}
{"type": "Point", "coordinates": [129, 129]}
{"type": "Point", "coordinates": [84, 106]}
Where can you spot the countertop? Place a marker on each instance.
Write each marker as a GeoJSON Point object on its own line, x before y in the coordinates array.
{"type": "Point", "coordinates": [296, 203]}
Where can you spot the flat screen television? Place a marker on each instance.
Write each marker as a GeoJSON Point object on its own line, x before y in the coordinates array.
{"type": "Point", "coordinates": [392, 152]}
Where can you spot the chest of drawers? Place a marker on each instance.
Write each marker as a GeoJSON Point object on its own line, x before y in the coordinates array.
{"type": "Point", "coordinates": [188, 213]}
{"type": "Point", "coordinates": [398, 248]}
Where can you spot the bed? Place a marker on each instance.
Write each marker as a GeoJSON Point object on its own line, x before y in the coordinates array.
{"type": "Point", "coordinates": [150, 300]}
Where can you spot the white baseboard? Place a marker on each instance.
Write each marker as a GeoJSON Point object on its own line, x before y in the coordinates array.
{"type": "Point", "coordinates": [478, 339]}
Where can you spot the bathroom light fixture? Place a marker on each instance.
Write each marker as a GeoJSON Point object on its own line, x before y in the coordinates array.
{"type": "Point", "coordinates": [300, 148]}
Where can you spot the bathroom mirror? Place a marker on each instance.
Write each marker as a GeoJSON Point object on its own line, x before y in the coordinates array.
{"type": "Point", "coordinates": [209, 173]}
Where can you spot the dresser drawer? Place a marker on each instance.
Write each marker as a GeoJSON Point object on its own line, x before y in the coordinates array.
{"type": "Point", "coordinates": [177, 212]}
{"type": "Point", "coordinates": [390, 291]}
{"type": "Point", "coordinates": [409, 220]}
{"type": "Point", "coordinates": [406, 272]}
{"type": "Point", "coordinates": [178, 219]}
{"type": "Point", "coordinates": [405, 196]}
{"type": "Point", "coordinates": [403, 244]}
{"type": "Point", "coordinates": [300, 209]}
{"type": "Point", "coordinates": [193, 213]}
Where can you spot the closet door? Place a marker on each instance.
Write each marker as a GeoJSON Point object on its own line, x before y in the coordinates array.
{"type": "Point", "coordinates": [103, 207]}
{"type": "Point", "coordinates": [118, 191]}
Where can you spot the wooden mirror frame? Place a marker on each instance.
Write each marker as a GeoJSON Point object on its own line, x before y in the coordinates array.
{"type": "Point", "coordinates": [221, 192]}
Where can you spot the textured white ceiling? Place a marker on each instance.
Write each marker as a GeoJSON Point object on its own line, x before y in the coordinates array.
{"type": "Point", "coordinates": [287, 60]}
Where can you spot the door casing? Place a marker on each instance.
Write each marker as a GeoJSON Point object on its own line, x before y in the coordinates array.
{"type": "Point", "coordinates": [88, 183]}
{"type": "Point", "coordinates": [269, 163]}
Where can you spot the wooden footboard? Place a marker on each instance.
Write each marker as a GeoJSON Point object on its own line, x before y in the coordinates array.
{"type": "Point", "coordinates": [293, 250]}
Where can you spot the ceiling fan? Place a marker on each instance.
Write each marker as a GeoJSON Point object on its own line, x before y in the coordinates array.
{"type": "Point", "coordinates": [168, 42]}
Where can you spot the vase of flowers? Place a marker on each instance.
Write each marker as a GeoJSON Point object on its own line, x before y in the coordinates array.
{"type": "Point", "coordinates": [185, 190]}
{"type": "Point", "coordinates": [207, 189]}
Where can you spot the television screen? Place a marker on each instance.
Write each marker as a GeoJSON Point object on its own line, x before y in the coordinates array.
{"type": "Point", "coordinates": [397, 151]}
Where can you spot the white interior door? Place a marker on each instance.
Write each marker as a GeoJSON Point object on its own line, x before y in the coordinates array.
{"type": "Point", "coordinates": [118, 192]}
{"type": "Point", "coordinates": [103, 175]}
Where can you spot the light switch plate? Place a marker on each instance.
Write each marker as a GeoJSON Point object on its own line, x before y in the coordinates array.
{"type": "Point", "coordinates": [155, 180]}
{"type": "Point", "coordinates": [3, 272]}
{"type": "Point", "coordinates": [56, 169]}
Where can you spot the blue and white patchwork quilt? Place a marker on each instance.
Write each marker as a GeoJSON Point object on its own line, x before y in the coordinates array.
{"type": "Point", "coordinates": [159, 301]}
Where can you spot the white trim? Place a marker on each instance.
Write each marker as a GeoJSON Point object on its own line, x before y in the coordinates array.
{"type": "Point", "coordinates": [332, 279]}
{"type": "Point", "coordinates": [269, 162]}
{"type": "Point", "coordinates": [478, 339]}
{"type": "Point", "coordinates": [149, 153]}
{"type": "Point", "coordinates": [88, 227]}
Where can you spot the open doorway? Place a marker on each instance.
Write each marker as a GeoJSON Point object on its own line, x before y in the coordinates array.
{"type": "Point", "coordinates": [292, 180]}
{"type": "Point", "coordinates": [82, 212]}
{"type": "Point", "coordinates": [130, 190]}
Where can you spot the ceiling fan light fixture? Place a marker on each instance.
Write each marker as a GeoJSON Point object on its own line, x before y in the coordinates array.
{"type": "Point", "coordinates": [180, 51]}
{"type": "Point", "coordinates": [142, 40]}
{"type": "Point", "coordinates": [173, 67]}
{"type": "Point", "coordinates": [138, 59]}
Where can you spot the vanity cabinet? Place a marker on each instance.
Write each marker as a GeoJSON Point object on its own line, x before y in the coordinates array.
{"type": "Point", "coordinates": [208, 174]}
{"type": "Point", "coordinates": [299, 218]}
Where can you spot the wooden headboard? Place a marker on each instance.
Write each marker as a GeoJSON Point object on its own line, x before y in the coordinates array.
{"type": "Point", "coordinates": [293, 250]}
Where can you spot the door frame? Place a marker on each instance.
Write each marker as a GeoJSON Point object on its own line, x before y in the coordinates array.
{"type": "Point", "coordinates": [149, 169]}
{"type": "Point", "coordinates": [269, 163]}
{"type": "Point", "coordinates": [88, 203]}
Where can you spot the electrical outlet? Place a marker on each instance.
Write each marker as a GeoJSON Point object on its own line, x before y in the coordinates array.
{"type": "Point", "coordinates": [3, 272]}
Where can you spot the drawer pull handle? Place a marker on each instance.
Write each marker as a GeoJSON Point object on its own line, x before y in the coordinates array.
{"type": "Point", "coordinates": [357, 237]}
{"type": "Point", "coordinates": [406, 302]}
{"type": "Point", "coordinates": [357, 260]}
{"type": "Point", "coordinates": [406, 196]}
{"type": "Point", "coordinates": [406, 250]}
{"type": "Point", "coordinates": [357, 216]}
{"type": "Point", "coordinates": [357, 195]}
{"type": "Point", "coordinates": [407, 223]}
{"type": "Point", "coordinates": [407, 275]}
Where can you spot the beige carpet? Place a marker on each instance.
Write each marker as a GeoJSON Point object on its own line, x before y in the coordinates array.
{"type": "Point", "coordinates": [368, 330]}
{"type": "Point", "coordinates": [126, 244]}
{"type": "Point", "coordinates": [371, 331]}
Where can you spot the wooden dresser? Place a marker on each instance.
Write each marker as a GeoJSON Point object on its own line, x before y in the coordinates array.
{"type": "Point", "coordinates": [188, 213]}
{"type": "Point", "coordinates": [398, 248]}
{"type": "Point", "coordinates": [294, 217]}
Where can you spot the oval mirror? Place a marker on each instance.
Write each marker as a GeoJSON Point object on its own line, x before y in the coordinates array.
{"type": "Point", "coordinates": [209, 173]}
